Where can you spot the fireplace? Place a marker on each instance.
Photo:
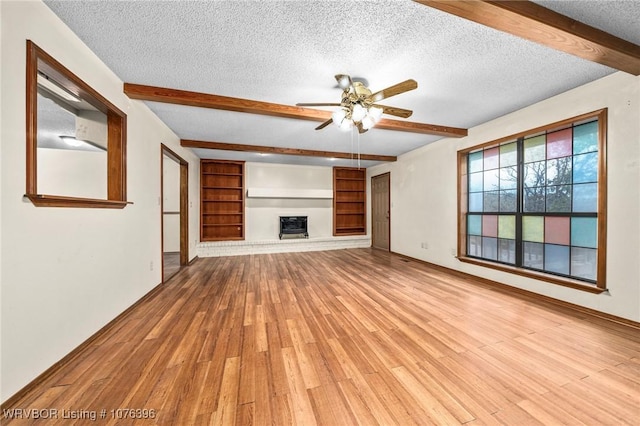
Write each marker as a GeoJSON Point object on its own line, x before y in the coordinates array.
{"type": "Point", "coordinates": [293, 225]}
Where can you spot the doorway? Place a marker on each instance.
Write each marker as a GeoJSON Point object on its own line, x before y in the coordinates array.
{"type": "Point", "coordinates": [381, 211]}
{"type": "Point", "coordinates": [174, 187]}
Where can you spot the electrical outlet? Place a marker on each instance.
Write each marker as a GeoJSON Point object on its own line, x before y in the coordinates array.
{"type": "Point", "coordinates": [151, 265]}
{"type": "Point", "coordinates": [424, 245]}
{"type": "Point", "coordinates": [453, 252]}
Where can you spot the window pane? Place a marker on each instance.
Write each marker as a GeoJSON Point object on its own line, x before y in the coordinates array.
{"type": "Point", "coordinates": [585, 138]}
{"type": "Point", "coordinates": [475, 162]}
{"type": "Point", "coordinates": [491, 158]}
{"type": "Point", "coordinates": [583, 262]}
{"type": "Point", "coordinates": [585, 168]}
{"type": "Point", "coordinates": [537, 196]}
{"type": "Point", "coordinates": [559, 144]}
{"type": "Point", "coordinates": [559, 171]}
{"type": "Point", "coordinates": [491, 180]}
{"type": "Point", "coordinates": [475, 182]}
{"type": "Point", "coordinates": [475, 246]}
{"type": "Point", "coordinates": [508, 154]}
{"type": "Point", "coordinates": [534, 200]}
{"type": "Point", "coordinates": [491, 201]}
{"type": "Point", "coordinates": [507, 227]}
{"type": "Point", "coordinates": [508, 201]}
{"type": "Point", "coordinates": [556, 258]}
{"type": "Point", "coordinates": [559, 198]}
{"type": "Point", "coordinates": [585, 197]}
{"type": "Point", "coordinates": [584, 231]}
{"type": "Point", "coordinates": [489, 225]}
{"type": "Point", "coordinates": [475, 202]}
{"type": "Point", "coordinates": [534, 149]}
{"type": "Point", "coordinates": [534, 174]}
{"type": "Point", "coordinates": [490, 248]}
{"type": "Point", "coordinates": [474, 224]}
{"type": "Point", "coordinates": [507, 251]}
{"type": "Point", "coordinates": [533, 255]}
{"type": "Point", "coordinates": [557, 230]}
{"type": "Point", "coordinates": [508, 178]}
{"type": "Point", "coordinates": [533, 228]}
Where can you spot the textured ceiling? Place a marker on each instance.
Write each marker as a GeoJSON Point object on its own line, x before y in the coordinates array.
{"type": "Point", "coordinates": [288, 52]}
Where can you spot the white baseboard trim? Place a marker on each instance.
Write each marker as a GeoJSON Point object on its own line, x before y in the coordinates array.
{"type": "Point", "coordinates": [288, 245]}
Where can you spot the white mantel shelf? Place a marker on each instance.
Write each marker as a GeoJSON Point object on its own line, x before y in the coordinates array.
{"type": "Point", "coordinates": [286, 245]}
{"type": "Point", "coordinates": [289, 193]}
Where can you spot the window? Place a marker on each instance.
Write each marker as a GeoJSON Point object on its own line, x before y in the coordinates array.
{"type": "Point", "coordinates": [535, 203]}
{"type": "Point", "coordinates": [76, 139]}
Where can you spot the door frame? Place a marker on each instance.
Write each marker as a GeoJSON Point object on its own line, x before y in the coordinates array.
{"type": "Point", "coordinates": [184, 205]}
{"type": "Point", "coordinates": [388, 203]}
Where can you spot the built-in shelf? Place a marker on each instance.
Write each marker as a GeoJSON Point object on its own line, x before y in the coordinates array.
{"type": "Point", "coordinates": [349, 201]}
{"type": "Point", "coordinates": [289, 193]}
{"type": "Point", "coordinates": [221, 200]}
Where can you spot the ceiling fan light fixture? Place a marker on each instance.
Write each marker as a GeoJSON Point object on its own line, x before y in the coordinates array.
{"type": "Point", "coordinates": [375, 113]}
{"type": "Point", "coordinates": [338, 116]}
{"type": "Point", "coordinates": [358, 113]}
{"type": "Point", "coordinates": [368, 122]}
{"type": "Point", "coordinates": [344, 82]}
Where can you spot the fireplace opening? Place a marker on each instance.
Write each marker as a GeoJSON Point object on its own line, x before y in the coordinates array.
{"type": "Point", "coordinates": [293, 225]}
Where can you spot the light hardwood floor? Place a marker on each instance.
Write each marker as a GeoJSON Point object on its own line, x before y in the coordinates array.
{"type": "Point", "coordinates": [349, 337]}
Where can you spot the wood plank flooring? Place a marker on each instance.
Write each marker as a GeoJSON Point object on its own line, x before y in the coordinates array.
{"type": "Point", "coordinates": [346, 337]}
{"type": "Point", "coordinates": [171, 264]}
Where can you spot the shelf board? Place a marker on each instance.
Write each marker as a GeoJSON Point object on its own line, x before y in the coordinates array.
{"type": "Point", "coordinates": [221, 174]}
{"type": "Point", "coordinates": [222, 214]}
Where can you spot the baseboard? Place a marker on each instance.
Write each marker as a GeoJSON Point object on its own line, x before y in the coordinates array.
{"type": "Point", "coordinates": [192, 261]}
{"type": "Point", "coordinates": [529, 294]}
{"type": "Point", "coordinates": [77, 351]}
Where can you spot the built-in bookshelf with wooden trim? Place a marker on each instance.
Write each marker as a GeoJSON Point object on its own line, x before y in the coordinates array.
{"type": "Point", "coordinates": [221, 200]}
{"type": "Point", "coordinates": [349, 201]}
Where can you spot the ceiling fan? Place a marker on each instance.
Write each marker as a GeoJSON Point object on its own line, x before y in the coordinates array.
{"type": "Point", "coordinates": [359, 106]}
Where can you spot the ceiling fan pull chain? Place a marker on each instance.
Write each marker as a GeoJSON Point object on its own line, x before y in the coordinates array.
{"type": "Point", "coordinates": [358, 150]}
{"type": "Point", "coordinates": [352, 152]}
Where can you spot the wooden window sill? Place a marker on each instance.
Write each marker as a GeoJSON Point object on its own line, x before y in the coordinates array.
{"type": "Point", "coordinates": [41, 200]}
{"type": "Point", "coordinates": [566, 282]}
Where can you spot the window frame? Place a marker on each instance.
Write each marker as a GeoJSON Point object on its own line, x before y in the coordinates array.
{"type": "Point", "coordinates": [38, 59]}
{"type": "Point", "coordinates": [600, 282]}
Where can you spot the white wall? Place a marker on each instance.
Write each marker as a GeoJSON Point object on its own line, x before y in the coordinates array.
{"type": "Point", "coordinates": [423, 193]}
{"type": "Point", "coordinates": [72, 173]}
{"type": "Point", "coordinates": [66, 272]}
{"type": "Point", "coordinates": [262, 214]}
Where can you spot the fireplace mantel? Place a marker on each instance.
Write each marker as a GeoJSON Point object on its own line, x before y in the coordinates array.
{"type": "Point", "coordinates": [289, 193]}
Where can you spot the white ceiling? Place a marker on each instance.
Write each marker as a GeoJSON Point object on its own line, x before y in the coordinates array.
{"type": "Point", "coordinates": [288, 52]}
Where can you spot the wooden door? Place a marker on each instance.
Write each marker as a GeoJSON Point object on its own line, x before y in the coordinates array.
{"type": "Point", "coordinates": [380, 211]}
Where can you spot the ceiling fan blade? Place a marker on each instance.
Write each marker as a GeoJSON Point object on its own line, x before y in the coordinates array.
{"type": "Point", "coordinates": [325, 124]}
{"type": "Point", "coordinates": [318, 104]}
{"type": "Point", "coordinates": [398, 112]}
{"type": "Point", "coordinates": [396, 89]}
{"type": "Point", "coordinates": [344, 81]}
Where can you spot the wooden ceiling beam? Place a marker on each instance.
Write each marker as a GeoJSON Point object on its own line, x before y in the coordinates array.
{"type": "Point", "coordinates": [285, 151]}
{"type": "Point", "coordinates": [206, 100]}
{"type": "Point", "coordinates": [536, 23]}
